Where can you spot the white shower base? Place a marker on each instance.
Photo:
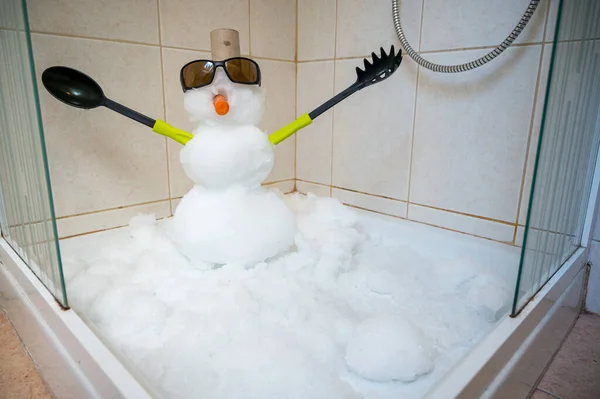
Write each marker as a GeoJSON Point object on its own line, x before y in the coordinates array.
{"type": "Point", "coordinates": [280, 329]}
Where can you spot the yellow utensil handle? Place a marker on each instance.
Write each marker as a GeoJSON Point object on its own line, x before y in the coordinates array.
{"type": "Point", "coordinates": [286, 131]}
{"type": "Point", "coordinates": [180, 136]}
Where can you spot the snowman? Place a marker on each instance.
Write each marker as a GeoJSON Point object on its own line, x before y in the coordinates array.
{"type": "Point", "coordinates": [228, 217]}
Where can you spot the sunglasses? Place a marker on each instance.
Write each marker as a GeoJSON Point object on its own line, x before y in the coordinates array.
{"type": "Point", "coordinates": [200, 73]}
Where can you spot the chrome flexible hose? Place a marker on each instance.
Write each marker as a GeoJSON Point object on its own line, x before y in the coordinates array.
{"type": "Point", "coordinates": [533, 4]}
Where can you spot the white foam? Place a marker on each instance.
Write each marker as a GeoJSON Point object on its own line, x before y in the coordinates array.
{"type": "Point", "coordinates": [390, 347]}
{"type": "Point", "coordinates": [284, 328]}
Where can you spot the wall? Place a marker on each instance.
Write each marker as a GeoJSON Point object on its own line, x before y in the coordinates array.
{"type": "Point", "coordinates": [454, 151]}
{"type": "Point", "coordinates": [105, 168]}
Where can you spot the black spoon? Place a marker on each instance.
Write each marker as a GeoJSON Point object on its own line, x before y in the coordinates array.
{"type": "Point", "coordinates": [76, 89]}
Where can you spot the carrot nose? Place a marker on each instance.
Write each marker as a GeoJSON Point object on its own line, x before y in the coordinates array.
{"type": "Point", "coordinates": [221, 104]}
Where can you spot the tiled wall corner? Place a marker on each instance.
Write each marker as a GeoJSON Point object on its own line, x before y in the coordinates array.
{"type": "Point", "coordinates": [101, 161]}
{"type": "Point", "coordinates": [392, 147]}
{"type": "Point", "coordinates": [279, 81]}
{"type": "Point", "coordinates": [319, 190]}
{"type": "Point", "coordinates": [453, 146]}
{"type": "Point", "coordinates": [314, 144]}
{"type": "Point", "coordinates": [383, 205]}
{"type": "Point", "coordinates": [285, 187]}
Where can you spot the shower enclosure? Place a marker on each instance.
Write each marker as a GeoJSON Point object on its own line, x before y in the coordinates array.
{"type": "Point", "coordinates": [541, 251]}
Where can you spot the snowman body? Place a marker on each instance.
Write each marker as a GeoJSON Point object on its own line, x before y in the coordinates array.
{"type": "Point", "coordinates": [228, 216]}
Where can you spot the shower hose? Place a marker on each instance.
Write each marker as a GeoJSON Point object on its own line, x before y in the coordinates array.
{"type": "Point", "coordinates": [469, 65]}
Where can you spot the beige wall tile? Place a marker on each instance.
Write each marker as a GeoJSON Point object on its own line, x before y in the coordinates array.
{"type": "Point", "coordinates": [370, 202]}
{"type": "Point", "coordinates": [313, 152]}
{"type": "Point", "coordinates": [466, 224]}
{"type": "Point", "coordinates": [477, 23]}
{"type": "Point", "coordinates": [279, 80]}
{"type": "Point", "coordinates": [188, 23]}
{"type": "Point", "coordinates": [273, 29]}
{"type": "Point", "coordinates": [99, 159]}
{"type": "Point", "coordinates": [319, 190]}
{"type": "Point", "coordinates": [108, 19]}
{"type": "Point", "coordinates": [365, 25]}
{"type": "Point", "coordinates": [372, 132]}
{"type": "Point", "coordinates": [109, 219]}
{"type": "Point", "coordinates": [471, 134]}
{"type": "Point", "coordinates": [316, 29]}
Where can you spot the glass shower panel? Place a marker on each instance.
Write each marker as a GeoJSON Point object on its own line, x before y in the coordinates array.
{"type": "Point", "coordinates": [26, 210]}
{"type": "Point", "coordinates": [567, 149]}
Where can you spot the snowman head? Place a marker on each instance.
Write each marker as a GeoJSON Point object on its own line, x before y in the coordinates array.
{"type": "Point", "coordinates": [224, 92]}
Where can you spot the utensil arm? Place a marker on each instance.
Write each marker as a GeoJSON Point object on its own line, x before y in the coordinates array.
{"type": "Point", "coordinates": [335, 99]}
{"type": "Point", "coordinates": [128, 112]}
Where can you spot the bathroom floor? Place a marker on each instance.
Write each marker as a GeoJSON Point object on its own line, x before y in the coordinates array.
{"type": "Point", "coordinates": [18, 377]}
{"type": "Point", "coordinates": [575, 371]}
{"type": "Point", "coordinates": [189, 328]}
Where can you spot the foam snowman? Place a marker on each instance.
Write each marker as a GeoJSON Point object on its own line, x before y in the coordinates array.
{"type": "Point", "coordinates": [228, 216]}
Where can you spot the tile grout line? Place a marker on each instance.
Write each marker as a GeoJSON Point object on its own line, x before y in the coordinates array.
{"type": "Point", "coordinates": [529, 139]}
{"type": "Point", "coordinates": [164, 98]}
{"type": "Point", "coordinates": [133, 206]}
{"type": "Point", "coordinates": [335, 29]}
{"type": "Point", "coordinates": [123, 41]}
{"type": "Point", "coordinates": [498, 221]}
{"type": "Point", "coordinates": [429, 224]}
{"type": "Point", "coordinates": [530, 135]}
{"type": "Point", "coordinates": [112, 209]}
{"type": "Point", "coordinates": [249, 29]}
{"type": "Point", "coordinates": [66, 35]}
{"type": "Point", "coordinates": [546, 392]}
{"type": "Point", "coordinates": [296, 100]}
{"type": "Point", "coordinates": [360, 57]}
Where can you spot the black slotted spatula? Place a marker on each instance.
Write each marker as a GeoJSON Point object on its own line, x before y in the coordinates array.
{"type": "Point", "coordinates": [381, 68]}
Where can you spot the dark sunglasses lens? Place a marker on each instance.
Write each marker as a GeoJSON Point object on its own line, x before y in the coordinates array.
{"type": "Point", "coordinates": [198, 74]}
{"type": "Point", "coordinates": [241, 70]}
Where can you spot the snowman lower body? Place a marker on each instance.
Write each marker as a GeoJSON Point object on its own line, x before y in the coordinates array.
{"type": "Point", "coordinates": [237, 224]}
